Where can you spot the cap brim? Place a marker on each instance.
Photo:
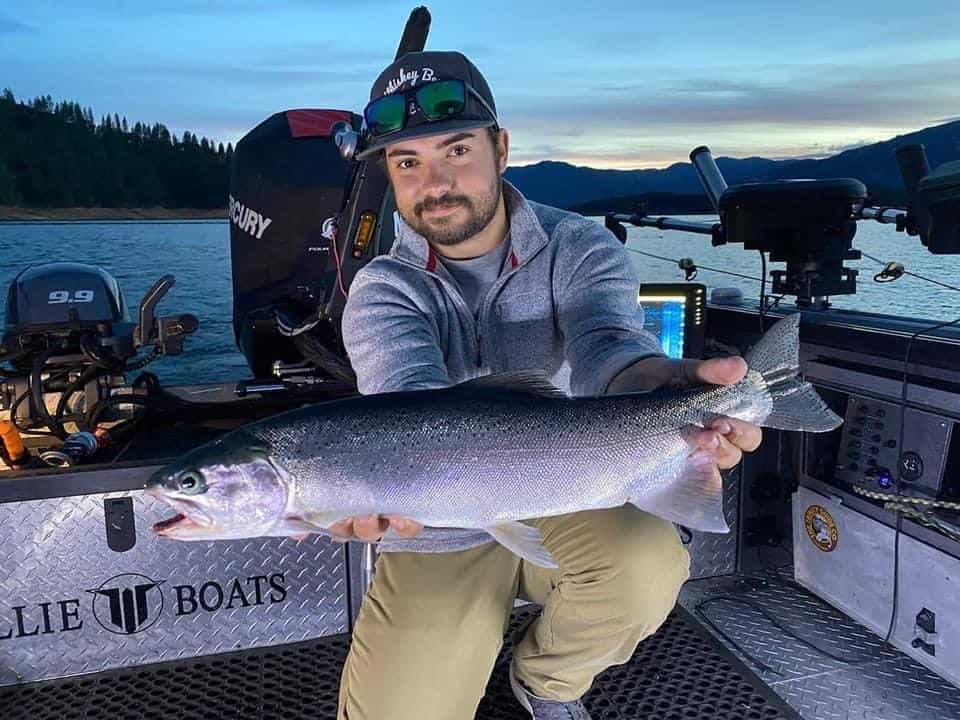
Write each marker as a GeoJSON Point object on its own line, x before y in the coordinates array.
{"type": "Point", "coordinates": [425, 130]}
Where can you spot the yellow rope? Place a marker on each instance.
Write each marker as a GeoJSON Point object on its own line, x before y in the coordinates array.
{"type": "Point", "coordinates": [903, 499]}
{"type": "Point", "coordinates": [916, 508]}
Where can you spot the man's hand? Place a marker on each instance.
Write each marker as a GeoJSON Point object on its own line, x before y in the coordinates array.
{"type": "Point", "coordinates": [728, 438]}
{"type": "Point", "coordinates": [372, 527]}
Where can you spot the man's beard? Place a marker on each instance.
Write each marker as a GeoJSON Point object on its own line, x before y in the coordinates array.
{"type": "Point", "coordinates": [445, 230]}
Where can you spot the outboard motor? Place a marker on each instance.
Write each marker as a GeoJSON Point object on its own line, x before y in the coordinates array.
{"type": "Point", "coordinates": [54, 303]}
{"type": "Point", "coordinates": [69, 335]}
{"type": "Point", "coordinates": [288, 183]}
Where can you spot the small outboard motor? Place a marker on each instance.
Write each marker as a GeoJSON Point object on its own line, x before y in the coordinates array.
{"type": "Point", "coordinates": [288, 182]}
{"type": "Point", "coordinates": [68, 331]}
{"type": "Point", "coordinates": [54, 304]}
{"type": "Point", "coordinates": [44, 295]}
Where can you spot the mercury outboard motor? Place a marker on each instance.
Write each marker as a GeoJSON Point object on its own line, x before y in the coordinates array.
{"type": "Point", "coordinates": [305, 216]}
{"type": "Point", "coordinates": [288, 183]}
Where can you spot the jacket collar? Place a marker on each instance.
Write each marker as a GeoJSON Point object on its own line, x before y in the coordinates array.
{"type": "Point", "coordinates": [526, 234]}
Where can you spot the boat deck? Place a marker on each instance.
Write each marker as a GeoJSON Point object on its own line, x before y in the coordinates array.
{"type": "Point", "coordinates": [825, 665]}
{"type": "Point", "coordinates": [680, 672]}
{"type": "Point", "coordinates": [780, 654]}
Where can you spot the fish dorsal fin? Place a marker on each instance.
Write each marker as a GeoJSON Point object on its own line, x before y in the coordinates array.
{"type": "Point", "coordinates": [531, 382]}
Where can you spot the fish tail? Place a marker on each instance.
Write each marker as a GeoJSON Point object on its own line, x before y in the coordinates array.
{"type": "Point", "coordinates": [795, 403]}
{"type": "Point", "coordinates": [695, 500]}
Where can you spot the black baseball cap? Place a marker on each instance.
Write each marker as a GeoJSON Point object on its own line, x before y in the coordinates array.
{"type": "Point", "coordinates": [417, 68]}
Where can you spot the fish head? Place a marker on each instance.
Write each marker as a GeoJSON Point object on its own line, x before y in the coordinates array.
{"type": "Point", "coordinates": [228, 489]}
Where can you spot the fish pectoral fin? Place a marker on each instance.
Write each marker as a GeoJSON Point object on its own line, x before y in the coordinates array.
{"type": "Point", "coordinates": [694, 499]}
{"type": "Point", "coordinates": [306, 524]}
{"type": "Point", "coordinates": [523, 540]}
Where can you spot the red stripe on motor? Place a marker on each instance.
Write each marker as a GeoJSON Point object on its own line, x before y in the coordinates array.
{"type": "Point", "coordinates": [314, 123]}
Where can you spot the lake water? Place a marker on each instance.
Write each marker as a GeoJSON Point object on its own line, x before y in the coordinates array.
{"type": "Point", "coordinates": [198, 255]}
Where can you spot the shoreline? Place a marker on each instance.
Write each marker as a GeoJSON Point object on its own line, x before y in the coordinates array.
{"type": "Point", "coordinates": [25, 214]}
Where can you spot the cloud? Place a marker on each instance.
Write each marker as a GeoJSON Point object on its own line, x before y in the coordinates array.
{"type": "Point", "coordinates": [8, 26]}
{"type": "Point", "coordinates": [818, 151]}
{"type": "Point", "coordinates": [891, 95]}
{"type": "Point", "coordinates": [308, 65]}
{"type": "Point", "coordinates": [198, 8]}
{"type": "Point", "coordinates": [316, 55]}
{"type": "Point", "coordinates": [261, 77]}
{"type": "Point", "coordinates": [657, 155]}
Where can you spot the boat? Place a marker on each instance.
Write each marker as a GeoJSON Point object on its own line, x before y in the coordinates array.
{"type": "Point", "coordinates": [835, 595]}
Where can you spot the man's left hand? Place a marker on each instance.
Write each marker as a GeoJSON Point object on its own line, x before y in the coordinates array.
{"type": "Point", "coordinates": [728, 438]}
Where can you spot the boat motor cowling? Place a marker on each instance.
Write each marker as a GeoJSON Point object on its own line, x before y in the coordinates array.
{"type": "Point", "coordinates": [69, 334]}
{"type": "Point", "coordinates": [288, 183]}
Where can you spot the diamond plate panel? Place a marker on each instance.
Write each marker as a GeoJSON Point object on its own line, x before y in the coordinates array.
{"type": "Point", "coordinates": [161, 600]}
{"type": "Point", "coordinates": [898, 689]}
{"type": "Point", "coordinates": [838, 671]}
{"type": "Point", "coordinates": [713, 554]}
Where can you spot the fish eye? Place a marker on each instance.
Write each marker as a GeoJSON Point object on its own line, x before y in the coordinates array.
{"type": "Point", "coordinates": [191, 482]}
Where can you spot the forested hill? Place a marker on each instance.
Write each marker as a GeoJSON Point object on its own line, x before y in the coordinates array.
{"type": "Point", "coordinates": [58, 155]}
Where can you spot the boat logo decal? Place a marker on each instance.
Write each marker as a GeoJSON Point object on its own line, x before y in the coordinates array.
{"type": "Point", "coordinates": [127, 603]}
{"type": "Point", "coordinates": [821, 528]}
{"type": "Point", "coordinates": [247, 219]}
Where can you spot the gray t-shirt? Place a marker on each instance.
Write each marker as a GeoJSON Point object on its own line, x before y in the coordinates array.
{"type": "Point", "coordinates": [476, 275]}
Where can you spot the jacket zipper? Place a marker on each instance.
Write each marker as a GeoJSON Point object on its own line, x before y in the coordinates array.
{"type": "Point", "coordinates": [455, 292]}
{"type": "Point", "coordinates": [485, 302]}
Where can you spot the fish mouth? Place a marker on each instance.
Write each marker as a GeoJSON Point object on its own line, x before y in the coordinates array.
{"type": "Point", "coordinates": [159, 527]}
{"type": "Point", "coordinates": [188, 516]}
{"type": "Point", "coordinates": [181, 525]}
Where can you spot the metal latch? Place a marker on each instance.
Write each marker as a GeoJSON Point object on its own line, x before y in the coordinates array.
{"type": "Point", "coordinates": [119, 519]}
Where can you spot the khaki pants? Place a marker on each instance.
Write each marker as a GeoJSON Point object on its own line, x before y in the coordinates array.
{"type": "Point", "coordinates": [431, 626]}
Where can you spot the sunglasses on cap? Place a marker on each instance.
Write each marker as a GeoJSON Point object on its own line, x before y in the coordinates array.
{"type": "Point", "coordinates": [437, 100]}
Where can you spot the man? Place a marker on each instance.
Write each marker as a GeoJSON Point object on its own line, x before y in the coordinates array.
{"type": "Point", "coordinates": [480, 281]}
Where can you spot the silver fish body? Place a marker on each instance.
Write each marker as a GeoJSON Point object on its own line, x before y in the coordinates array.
{"type": "Point", "coordinates": [484, 455]}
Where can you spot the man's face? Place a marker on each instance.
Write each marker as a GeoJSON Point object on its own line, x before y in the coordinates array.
{"type": "Point", "coordinates": [447, 187]}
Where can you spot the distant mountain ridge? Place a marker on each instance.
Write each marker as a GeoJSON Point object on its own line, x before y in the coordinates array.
{"type": "Point", "coordinates": [569, 186]}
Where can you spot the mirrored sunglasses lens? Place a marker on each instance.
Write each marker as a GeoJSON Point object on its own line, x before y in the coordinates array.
{"type": "Point", "coordinates": [442, 99]}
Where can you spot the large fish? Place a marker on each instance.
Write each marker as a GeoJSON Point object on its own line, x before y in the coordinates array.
{"type": "Point", "coordinates": [476, 459]}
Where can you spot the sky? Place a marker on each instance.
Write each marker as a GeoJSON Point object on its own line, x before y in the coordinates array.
{"type": "Point", "coordinates": [605, 84]}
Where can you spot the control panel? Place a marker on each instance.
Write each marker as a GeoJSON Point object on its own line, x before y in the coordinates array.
{"type": "Point", "coordinates": [869, 452]}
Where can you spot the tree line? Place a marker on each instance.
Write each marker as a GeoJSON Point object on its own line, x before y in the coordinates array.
{"type": "Point", "coordinates": [58, 155]}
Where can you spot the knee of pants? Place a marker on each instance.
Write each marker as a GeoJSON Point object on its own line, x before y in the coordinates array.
{"type": "Point", "coordinates": [637, 584]}
{"type": "Point", "coordinates": [434, 667]}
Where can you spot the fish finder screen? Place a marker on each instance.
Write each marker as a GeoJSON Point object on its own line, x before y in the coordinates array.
{"type": "Point", "coordinates": [665, 317]}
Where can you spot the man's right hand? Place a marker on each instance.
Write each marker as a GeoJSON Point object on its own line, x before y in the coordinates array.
{"type": "Point", "coordinates": [372, 527]}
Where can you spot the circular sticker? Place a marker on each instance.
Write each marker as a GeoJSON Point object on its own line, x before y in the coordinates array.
{"type": "Point", "coordinates": [821, 528]}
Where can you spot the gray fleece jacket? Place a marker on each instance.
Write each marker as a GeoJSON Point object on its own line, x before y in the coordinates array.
{"type": "Point", "coordinates": [566, 305]}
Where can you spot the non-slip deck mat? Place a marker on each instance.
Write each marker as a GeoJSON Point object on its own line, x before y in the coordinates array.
{"type": "Point", "coordinates": [681, 673]}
